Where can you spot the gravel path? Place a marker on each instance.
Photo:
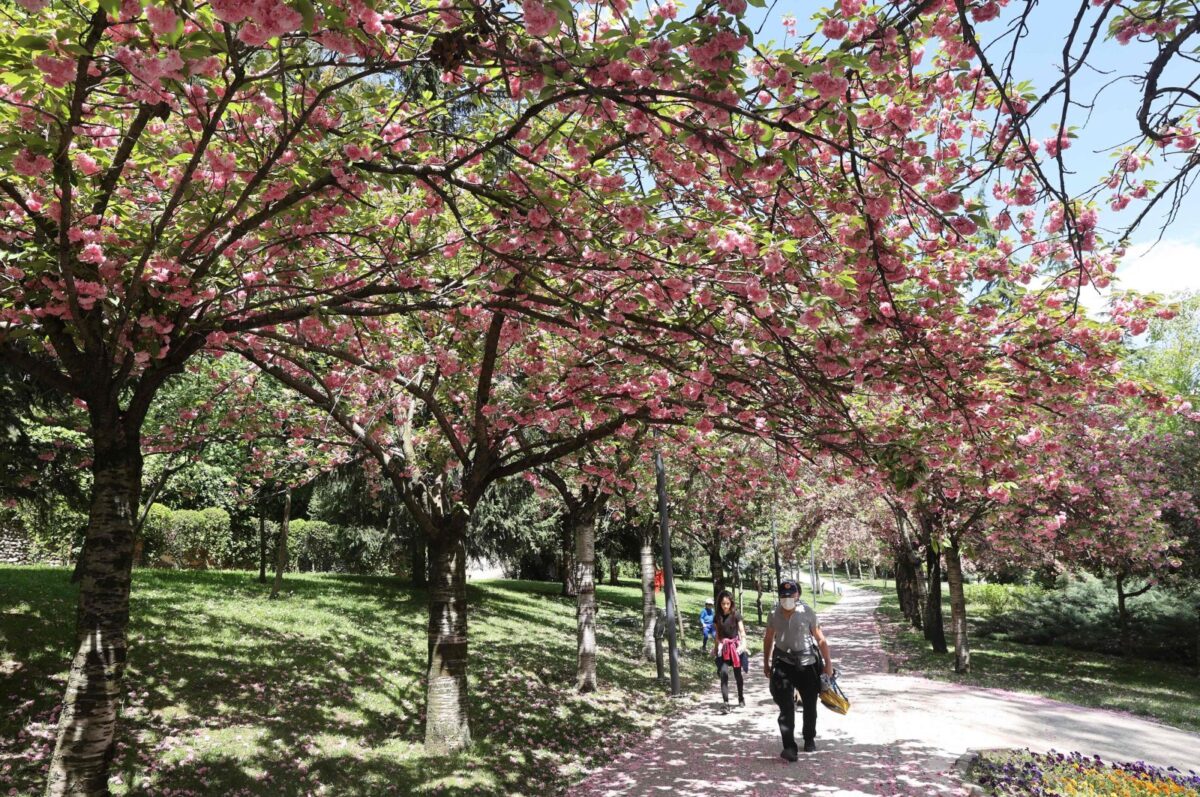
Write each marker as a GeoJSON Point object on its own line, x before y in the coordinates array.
{"type": "Point", "coordinates": [900, 738]}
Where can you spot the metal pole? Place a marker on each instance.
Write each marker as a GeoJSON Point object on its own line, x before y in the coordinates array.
{"type": "Point", "coordinates": [812, 564]}
{"type": "Point", "coordinates": [668, 577]}
{"type": "Point", "coordinates": [775, 548]}
{"type": "Point", "coordinates": [659, 630]}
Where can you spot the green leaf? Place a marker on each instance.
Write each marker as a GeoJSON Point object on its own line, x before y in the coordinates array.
{"type": "Point", "coordinates": [194, 52]}
{"type": "Point", "coordinates": [562, 10]}
{"type": "Point", "coordinates": [789, 158]}
{"type": "Point", "coordinates": [30, 42]}
{"type": "Point", "coordinates": [305, 7]}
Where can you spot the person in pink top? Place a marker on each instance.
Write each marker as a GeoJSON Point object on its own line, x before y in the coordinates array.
{"type": "Point", "coordinates": [731, 647]}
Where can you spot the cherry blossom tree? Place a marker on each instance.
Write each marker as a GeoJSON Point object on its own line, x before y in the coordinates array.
{"type": "Point", "coordinates": [1146, 49]}
{"type": "Point", "coordinates": [781, 236]}
{"type": "Point", "coordinates": [586, 482]}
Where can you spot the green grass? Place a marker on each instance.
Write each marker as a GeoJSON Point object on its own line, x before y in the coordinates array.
{"type": "Point", "coordinates": [322, 692]}
{"type": "Point", "coordinates": [1164, 692]}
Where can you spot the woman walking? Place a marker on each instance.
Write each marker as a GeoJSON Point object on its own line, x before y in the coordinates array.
{"type": "Point", "coordinates": [731, 647]}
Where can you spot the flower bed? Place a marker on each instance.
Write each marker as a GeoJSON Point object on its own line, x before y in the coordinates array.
{"type": "Point", "coordinates": [1025, 774]}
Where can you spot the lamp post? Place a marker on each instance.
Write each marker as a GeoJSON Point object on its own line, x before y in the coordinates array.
{"type": "Point", "coordinates": [775, 547]}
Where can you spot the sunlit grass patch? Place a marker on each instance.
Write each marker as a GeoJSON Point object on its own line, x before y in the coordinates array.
{"type": "Point", "coordinates": [1166, 692]}
{"type": "Point", "coordinates": [322, 691]}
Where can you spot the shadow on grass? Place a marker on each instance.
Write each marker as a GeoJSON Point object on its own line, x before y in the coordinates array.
{"type": "Point", "coordinates": [1161, 691]}
{"type": "Point", "coordinates": [322, 691]}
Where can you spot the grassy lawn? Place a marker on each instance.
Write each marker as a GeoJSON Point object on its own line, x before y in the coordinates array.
{"type": "Point", "coordinates": [1165, 692]}
{"type": "Point", "coordinates": [322, 692]}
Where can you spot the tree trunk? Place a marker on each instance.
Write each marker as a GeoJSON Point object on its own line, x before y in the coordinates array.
{"type": "Point", "coordinates": [585, 554]}
{"type": "Point", "coordinates": [812, 565]}
{"type": "Point", "coordinates": [569, 571]}
{"type": "Point", "coordinates": [680, 635]}
{"type": "Point", "coordinates": [281, 551]}
{"type": "Point", "coordinates": [1122, 616]}
{"type": "Point", "coordinates": [1197, 640]}
{"type": "Point", "coordinates": [737, 585]}
{"type": "Point", "coordinates": [262, 545]}
{"type": "Point", "coordinates": [958, 608]}
{"type": "Point", "coordinates": [447, 728]}
{"type": "Point", "coordinates": [648, 607]}
{"type": "Point", "coordinates": [1124, 624]}
{"type": "Point", "coordinates": [715, 567]}
{"type": "Point", "coordinates": [420, 565]}
{"type": "Point", "coordinates": [906, 588]}
{"type": "Point", "coordinates": [614, 571]}
{"type": "Point", "coordinates": [758, 599]}
{"type": "Point", "coordinates": [87, 724]}
{"type": "Point", "coordinates": [935, 630]}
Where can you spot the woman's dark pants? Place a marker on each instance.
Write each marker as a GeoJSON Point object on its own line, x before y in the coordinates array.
{"type": "Point", "coordinates": [723, 668]}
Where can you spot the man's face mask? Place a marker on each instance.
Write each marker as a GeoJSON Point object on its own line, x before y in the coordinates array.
{"type": "Point", "coordinates": [788, 603]}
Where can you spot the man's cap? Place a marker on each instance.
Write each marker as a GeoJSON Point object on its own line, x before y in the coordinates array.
{"type": "Point", "coordinates": [788, 587]}
{"type": "Point", "coordinates": [708, 601]}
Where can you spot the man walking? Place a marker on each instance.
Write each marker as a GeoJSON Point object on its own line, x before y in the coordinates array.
{"type": "Point", "coordinates": [790, 664]}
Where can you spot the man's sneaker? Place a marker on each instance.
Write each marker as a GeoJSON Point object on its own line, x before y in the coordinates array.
{"type": "Point", "coordinates": [741, 702]}
{"type": "Point", "coordinates": [725, 708]}
{"type": "Point", "coordinates": [789, 754]}
{"type": "Point", "coordinates": [810, 746]}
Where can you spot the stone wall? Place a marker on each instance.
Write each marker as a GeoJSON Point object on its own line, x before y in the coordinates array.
{"type": "Point", "coordinates": [14, 547]}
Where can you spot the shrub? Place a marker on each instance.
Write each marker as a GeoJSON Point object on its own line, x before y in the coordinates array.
{"type": "Point", "coordinates": [994, 599]}
{"type": "Point", "coordinates": [1082, 614]}
{"type": "Point", "coordinates": [314, 545]}
{"type": "Point", "coordinates": [148, 548]}
{"type": "Point", "coordinates": [186, 537]}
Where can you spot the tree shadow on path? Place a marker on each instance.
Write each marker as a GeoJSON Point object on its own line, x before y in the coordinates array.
{"type": "Point", "coordinates": [901, 737]}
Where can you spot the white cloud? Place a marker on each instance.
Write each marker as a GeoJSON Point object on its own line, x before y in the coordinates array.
{"type": "Point", "coordinates": [1168, 267]}
{"type": "Point", "coordinates": [1165, 268]}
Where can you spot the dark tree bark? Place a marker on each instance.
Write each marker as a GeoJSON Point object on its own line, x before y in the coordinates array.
{"type": "Point", "coordinates": [935, 629]}
{"type": "Point", "coordinates": [1196, 648]}
{"type": "Point", "coordinates": [262, 545]}
{"type": "Point", "coordinates": [614, 571]}
{"type": "Point", "coordinates": [281, 546]}
{"type": "Point", "coordinates": [86, 729]}
{"type": "Point", "coordinates": [716, 567]}
{"type": "Point", "coordinates": [906, 588]}
{"type": "Point", "coordinates": [420, 565]}
{"type": "Point", "coordinates": [758, 598]}
{"type": "Point", "coordinates": [447, 726]}
{"type": "Point", "coordinates": [958, 607]}
{"type": "Point", "coordinates": [931, 538]}
{"type": "Point", "coordinates": [1124, 626]}
{"type": "Point", "coordinates": [568, 567]}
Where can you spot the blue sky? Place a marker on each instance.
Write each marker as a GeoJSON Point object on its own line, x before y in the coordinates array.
{"type": "Point", "coordinates": [1172, 263]}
